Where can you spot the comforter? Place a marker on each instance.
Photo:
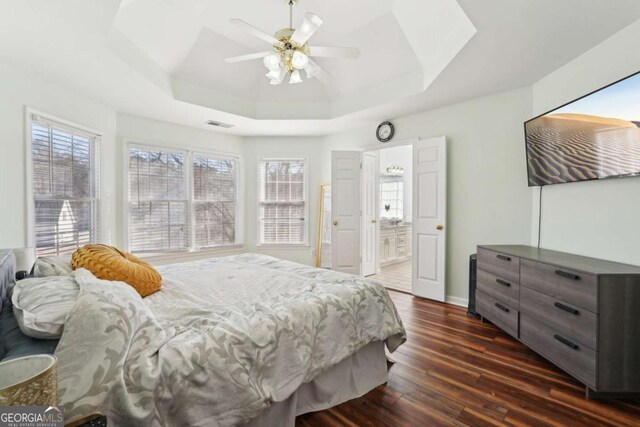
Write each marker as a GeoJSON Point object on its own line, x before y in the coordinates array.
{"type": "Point", "coordinates": [221, 341]}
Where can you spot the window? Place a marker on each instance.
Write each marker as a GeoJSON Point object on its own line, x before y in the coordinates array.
{"type": "Point", "coordinates": [283, 202]}
{"type": "Point", "coordinates": [391, 197]}
{"type": "Point", "coordinates": [180, 201]}
{"type": "Point", "coordinates": [158, 200]}
{"type": "Point", "coordinates": [65, 186]}
{"type": "Point", "coordinates": [214, 200]}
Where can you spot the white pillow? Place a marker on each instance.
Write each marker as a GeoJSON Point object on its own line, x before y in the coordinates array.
{"type": "Point", "coordinates": [41, 305]}
{"type": "Point", "coordinates": [53, 266]}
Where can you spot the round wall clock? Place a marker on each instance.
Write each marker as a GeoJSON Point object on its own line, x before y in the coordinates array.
{"type": "Point", "coordinates": [385, 131]}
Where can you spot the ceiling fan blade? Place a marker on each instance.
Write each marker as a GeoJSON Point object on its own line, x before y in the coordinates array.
{"type": "Point", "coordinates": [335, 52]}
{"type": "Point", "coordinates": [310, 25]}
{"type": "Point", "coordinates": [243, 58]}
{"type": "Point", "coordinates": [254, 31]}
{"type": "Point", "coordinates": [314, 70]}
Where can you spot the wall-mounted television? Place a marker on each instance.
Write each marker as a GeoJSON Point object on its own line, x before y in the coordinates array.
{"type": "Point", "coordinates": [594, 137]}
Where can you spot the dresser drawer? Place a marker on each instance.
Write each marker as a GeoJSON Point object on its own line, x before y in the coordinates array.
{"type": "Point", "coordinates": [499, 288]}
{"type": "Point", "coordinates": [504, 266]}
{"type": "Point", "coordinates": [501, 314]}
{"type": "Point", "coordinates": [572, 287]}
{"type": "Point", "coordinates": [571, 355]}
{"type": "Point", "coordinates": [573, 322]}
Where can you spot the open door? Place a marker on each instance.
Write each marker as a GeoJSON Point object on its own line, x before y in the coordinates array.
{"type": "Point", "coordinates": [345, 211]}
{"type": "Point", "coordinates": [429, 214]}
{"type": "Point", "coordinates": [370, 212]}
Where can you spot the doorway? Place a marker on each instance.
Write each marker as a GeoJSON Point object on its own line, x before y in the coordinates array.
{"type": "Point", "coordinates": [385, 227]}
{"type": "Point", "coordinates": [393, 199]}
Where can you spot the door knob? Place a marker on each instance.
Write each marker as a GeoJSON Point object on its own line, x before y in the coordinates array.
{"type": "Point", "coordinates": [373, 221]}
{"type": "Point", "coordinates": [335, 222]}
{"type": "Point", "coordinates": [439, 227]}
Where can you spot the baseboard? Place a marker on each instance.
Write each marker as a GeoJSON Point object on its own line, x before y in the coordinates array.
{"type": "Point", "coordinates": [462, 302]}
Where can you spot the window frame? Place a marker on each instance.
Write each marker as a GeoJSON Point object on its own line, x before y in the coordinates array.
{"type": "Point", "coordinates": [30, 218]}
{"type": "Point", "coordinates": [188, 152]}
{"type": "Point", "coordinates": [398, 182]}
{"type": "Point", "coordinates": [305, 187]}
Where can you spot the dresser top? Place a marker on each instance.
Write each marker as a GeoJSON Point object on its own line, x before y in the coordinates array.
{"type": "Point", "coordinates": [578, 263]}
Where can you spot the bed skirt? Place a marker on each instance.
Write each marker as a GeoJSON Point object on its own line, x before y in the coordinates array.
{"type": "Point", "coordinates": [355, 376]}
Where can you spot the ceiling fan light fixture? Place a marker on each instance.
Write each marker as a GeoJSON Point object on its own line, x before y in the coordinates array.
{"type": "Point", "coordinates": [299, 60]}
{"type": "Point", "coordinates": [272, 62]}
{"type": "Point", "coordinates": [311, 70]}
{"type": "Point", "coordinates": [295, 78]}
{"type": "Point", "coordinates": [276, 76]}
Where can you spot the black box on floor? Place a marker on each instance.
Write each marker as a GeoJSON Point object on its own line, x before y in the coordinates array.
{"type": "Point", "coordinates": [473, 271]}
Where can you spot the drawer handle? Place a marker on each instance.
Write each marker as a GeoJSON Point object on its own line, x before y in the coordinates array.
{"type": "Point", "coordinates": [567, 275]}
{"type": "Point", "coordinates": [567, 308]}
{"type": "Point", "coordinates": [503, 282]}
{"type": "Point", "coordinates": [566, 342]}
{"type": "Point", "coordinates": [504, 258]}
{"type": "Point", "coordinates": [502, 307]}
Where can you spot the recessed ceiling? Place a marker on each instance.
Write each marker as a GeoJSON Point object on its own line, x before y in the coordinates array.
{"type": "Point", "coordinates": [390, 66]}
{"type": "Point", "coordinates": [162, 59]}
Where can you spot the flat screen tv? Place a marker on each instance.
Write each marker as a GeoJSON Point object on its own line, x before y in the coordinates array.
{"type": "Point", "coordinates": [594, 137]}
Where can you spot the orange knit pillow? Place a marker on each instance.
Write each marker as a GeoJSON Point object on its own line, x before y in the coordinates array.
{"type": "Point", "coordinates": [109, 263]}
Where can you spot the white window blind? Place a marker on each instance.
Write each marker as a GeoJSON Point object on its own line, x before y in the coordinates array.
{"type": "Point", "coordinates": [214, 200]}
{"type": "Point", "coordinates": [65, 182]}
{"type": "Point", "coordinates": [158, 200]}
{"type": "Point", "coordinates": [283, 202]}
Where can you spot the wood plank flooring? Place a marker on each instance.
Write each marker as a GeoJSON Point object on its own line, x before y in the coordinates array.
{"type": "Point", "coordinates": [455, 371]}
{"type": "Point", "coordinates": [395, 276]}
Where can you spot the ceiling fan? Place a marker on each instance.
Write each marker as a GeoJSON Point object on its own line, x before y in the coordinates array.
{"type": "Point", "coordinates": [291, 53]}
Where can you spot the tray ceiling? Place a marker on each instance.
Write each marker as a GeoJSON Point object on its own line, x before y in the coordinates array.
{"type": "Point", "coordinates": [162, 59]}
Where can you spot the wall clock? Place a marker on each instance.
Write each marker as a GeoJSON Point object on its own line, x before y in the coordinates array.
{"type": "Point", "coordinates": [385, 131]}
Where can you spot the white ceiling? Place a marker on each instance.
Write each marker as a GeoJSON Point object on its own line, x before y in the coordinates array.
{"type": "Point", "coordinates": [163, 58]}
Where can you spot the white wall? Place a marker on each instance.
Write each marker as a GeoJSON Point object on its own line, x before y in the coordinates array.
{"type": "Point", "coordinates": [488, 198]}
{"type": "Point", "coordinates": [20, 89]}
{"type": "Point", "coordinates": [318, 173]}
{"type": "Point", "coordinates": [596, 218]}
{"type": "Point", "coordinates": [401, 156]}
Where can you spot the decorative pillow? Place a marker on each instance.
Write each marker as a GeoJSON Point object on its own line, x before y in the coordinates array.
{"type": "Point", "coordinates": [41, 304]}
{"type": "Point", "coordinates": [109, 263]}
{"type": "Point", "coordinates": [52, 266]}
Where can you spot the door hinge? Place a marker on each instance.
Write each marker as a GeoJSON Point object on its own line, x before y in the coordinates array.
{"type": "Point", "coordinates": [360, 165]}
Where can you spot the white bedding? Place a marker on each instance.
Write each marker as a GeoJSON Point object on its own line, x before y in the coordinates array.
{"type": "Point", "coordinates": [223, 340]}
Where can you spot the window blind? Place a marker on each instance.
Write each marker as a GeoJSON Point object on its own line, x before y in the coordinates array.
{"type": "Point", "coordinates": [282, 202]}
{"type": "Point", "coordinates": [65, 162]}
{"type": "Point", "coordinates": [158, 200]}
{"type": "Point", "coordinates": [214, 200]}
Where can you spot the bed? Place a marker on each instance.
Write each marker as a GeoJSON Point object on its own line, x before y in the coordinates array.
{"type": "Point", "coordinates": [241, 340]}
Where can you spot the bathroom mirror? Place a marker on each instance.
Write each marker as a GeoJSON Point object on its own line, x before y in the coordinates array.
{"type": "Point", "coordinates": [323, 250]}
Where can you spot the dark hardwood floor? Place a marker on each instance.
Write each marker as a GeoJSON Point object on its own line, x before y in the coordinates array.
{"type": "Point", "coordinates": [454, 370]}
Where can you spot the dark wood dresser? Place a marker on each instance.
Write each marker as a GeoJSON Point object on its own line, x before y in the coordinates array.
{"type": "Point", "coordinates": [582, 314]}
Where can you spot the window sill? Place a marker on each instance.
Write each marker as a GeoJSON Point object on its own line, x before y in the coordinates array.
{"type": "Point", "coordinates": [187, 255]}
{"type": "Point", "coordinates": [283, 246]}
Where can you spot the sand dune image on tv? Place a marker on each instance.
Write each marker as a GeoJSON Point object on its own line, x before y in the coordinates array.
{"type": "Point", "coordinates": [578, 147]}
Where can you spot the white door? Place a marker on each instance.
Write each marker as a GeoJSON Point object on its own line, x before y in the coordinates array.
{"type": "Point", "coordinates": [345, 211]}
{"type": "Point", "coordinates": [429, 214]}
{"type": "Point", "coordinates": [370, 209]}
